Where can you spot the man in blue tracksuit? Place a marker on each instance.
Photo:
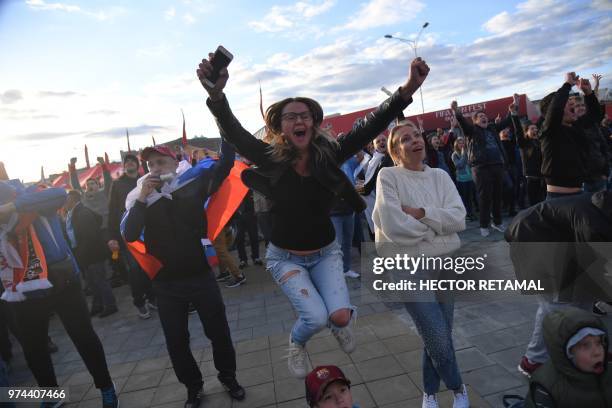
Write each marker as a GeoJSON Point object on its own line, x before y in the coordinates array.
{"type": "Point", "coordinates": [65, 297]}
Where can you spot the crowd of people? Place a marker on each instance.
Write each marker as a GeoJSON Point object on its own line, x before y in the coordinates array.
{"type": "Point", "coordinates": [311, 197]}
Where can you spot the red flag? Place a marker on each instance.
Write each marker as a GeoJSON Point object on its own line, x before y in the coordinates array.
{"type": "Point", "coordinates": [226, 200]}
{"type": "Point", "coordinates": [153, 137]}
{"type": "Point", "coordinates": [261, 103]}
{"type": "Point", "coordinates": [127, 134]}
{"type": "Point", "coordinates": [87, 156]}
{"type": "Point", "coordinates": [184, 132]}
{"type": "Point", "coordinates": [106, 158]}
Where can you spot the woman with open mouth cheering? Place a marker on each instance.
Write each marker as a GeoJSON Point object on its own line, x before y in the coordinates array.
{"type": "Point", "coordinates": [299, 171]}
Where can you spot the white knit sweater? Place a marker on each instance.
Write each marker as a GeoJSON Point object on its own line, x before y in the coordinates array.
{"type": "Point", "coordinates": [431, 189]}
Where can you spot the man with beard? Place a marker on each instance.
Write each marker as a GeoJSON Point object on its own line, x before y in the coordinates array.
{"type": "Point", "coordinates": [144, 300]}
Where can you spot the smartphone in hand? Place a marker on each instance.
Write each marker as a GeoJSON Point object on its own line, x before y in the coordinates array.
{"type": "Point", "coordinates": [220, 60]}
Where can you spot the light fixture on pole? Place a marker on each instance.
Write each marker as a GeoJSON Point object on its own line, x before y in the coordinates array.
{"type": "Point", "coordinates": [415, 45]}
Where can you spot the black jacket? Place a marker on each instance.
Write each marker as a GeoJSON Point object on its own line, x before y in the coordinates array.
{"type": "Point", "coordinates": [531, 154]}
{"type": "Point", "coordinates": [173, 229]}
{"type": "Point", "coordinates": [90, 245]}
{"type": "Point", "coordinates": [368, 187]}
{"type": "Point", "coordinates": [595, 154]}
{"type": "Point", "coordinates": [476, 140]}
{"type": "Point", "coordinates": [562, 146]}
{"type": "Point", "coordinates": [561, 241]}
{"type": "Point", "coordinates": [328, 173]}
{"type": "Point", "coordinates": [116, 203]}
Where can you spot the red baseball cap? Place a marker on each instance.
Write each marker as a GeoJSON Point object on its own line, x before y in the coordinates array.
{"type": "Point", "coordinates": [163, 150]}
{"type": "Point", "coordinates": [319, 379]}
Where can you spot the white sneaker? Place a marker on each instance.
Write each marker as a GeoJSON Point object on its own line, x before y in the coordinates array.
{"type": "Point", "coordinates": [429, 401]}
{"type": "Point", "coordinates": [484, 232]}
{"type": "Point", "coordinates": [296, 361]}
{"type": "Point", "coordinates": [345, 338]}
{"type": "Point", "coordinates": [143, 312]}
{"type": "Point", "coordinates": [461, 398]}
{"type": "Point", "coordinates": [499, 227]}
{"type": "Point", "coordinates": [351, 274]}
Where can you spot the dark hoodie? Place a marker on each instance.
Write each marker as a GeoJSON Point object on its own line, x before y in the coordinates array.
{"type": "Point", "coordinates": [558, 383]}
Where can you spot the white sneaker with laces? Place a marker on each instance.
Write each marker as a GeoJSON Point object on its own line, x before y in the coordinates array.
{"type": "Point", "coordinates": [351, 274]}
{"type": "Point", "coordinates": [345, 338]}
{"type": "Point", "coordinates": [296, 360]}
{"type": "Point", "coordinates": [499, 227]}
{"type": "Point", "coordinates": [429, 401]}
{"type": "Point", "coordinates": [484, 232]}
{"type": "Point", "coordinates": [461, 398]}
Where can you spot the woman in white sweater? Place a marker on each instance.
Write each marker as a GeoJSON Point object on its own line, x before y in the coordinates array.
{"type": "Point", "coordinates": [419, 210]}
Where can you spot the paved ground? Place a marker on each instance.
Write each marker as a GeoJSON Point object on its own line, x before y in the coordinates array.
{"type": "Point", "coordinates": [490, 336]}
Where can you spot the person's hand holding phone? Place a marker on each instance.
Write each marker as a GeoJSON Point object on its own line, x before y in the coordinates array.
{"type": "Point", "coordinates": [213, 74]}
{"type": "Point", "coordinates": [151, 183]}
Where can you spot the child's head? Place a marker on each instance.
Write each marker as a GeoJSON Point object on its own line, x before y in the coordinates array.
{"type": "Point", "coordinates": [327, 387]}
{"type": "Point", "coordinates": [586, 350]}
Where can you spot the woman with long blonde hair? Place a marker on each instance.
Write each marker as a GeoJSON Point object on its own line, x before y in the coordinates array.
{"type": "Point", "coordinates": [299, 171]}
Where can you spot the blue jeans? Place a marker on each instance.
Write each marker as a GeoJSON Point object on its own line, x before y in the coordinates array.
{"type": "Point", "coordinates": [103, 297]}
{"type": "Point", "coordinates": [345, 227]}
{"type": "Point", "coordinates": [314, 284]}
{"type": "Point", "coordinates": [434, 321]}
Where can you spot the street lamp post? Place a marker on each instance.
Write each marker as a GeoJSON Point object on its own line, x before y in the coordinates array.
{"type": "Point", "coordinates": [414, 44]}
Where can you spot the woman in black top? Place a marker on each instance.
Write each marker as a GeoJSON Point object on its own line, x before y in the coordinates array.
{"type": "Point", "coordinates": [299, 171]}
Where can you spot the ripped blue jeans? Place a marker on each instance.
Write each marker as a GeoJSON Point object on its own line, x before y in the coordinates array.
{"type": "Point", "coordinates": [314, 284]}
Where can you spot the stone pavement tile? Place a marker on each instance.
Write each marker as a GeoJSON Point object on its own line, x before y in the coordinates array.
{"type": "Point", "coordinates": [252, 305]}
{"type": "Point", "coordinates": [280, 370]}
{"type": "Point", "coordinates": [147, 352]}
{"type": "Point", "coordinates": [82, 377]}
{"type": "Point", "coordinates": [250, 346]}
{"type": "Point", "coordinates": [496, 400]}
{"type": "Point", "coordinates": [378, 368]}
{"type": "Point", "coordinates": [350, 371]}
{"type": "Point", "coordinates": [279, 354]}
{"type": "Point", "coordinates": [204, 354]}
{"type": "Point", "coordinates": [208, 368]}
{"type": "Point", "coordinates": [333, 357]}
{"type": "Point", "coordinates": [154, 364]}
{"type": "Point", "coordinates": [365, 310]}
{"type": "Point", "coordinates": [269, 329]}
{"type": "Point", "coordinates": [393, 389]}
{"type": "Point", "coordinates": [244, 334]}
{"type": "Point", "coordinates": [364, 335]}
{"type": "Point", "coordinates": [138, 382]}
{"type": "Point", "coordinates": [504, 338]}
{"type": "Point", "coordinates": [257, 396]}
{"type": "Point", "coordinates": [400, 344]}
{"type": "Point", "coordinates": [175, 404]}
{"type": "Point", "coordinates": [287, 389]}
{"type": "Point", "coordinates": [369, 351]}
{"type": "Point", "coordinates": [384, 331]}
{"type": "Point", "coordinates": [255, 375]}
{"type": "Point", "coordinates": [221, 400]}
{"type": "Point", "coordinates": [257, 358]}
{"type": "Point", "coordinates": [478, 326]}
{"type": "Point", "coordinates": [170, 393]}
{"type": "Point", "coordinates": [492, 379]}
{"type": "Point", "coordinates": [322, 344]}
{"type": "Point", "coordinates": [460, 342]}
{"type": "Point", "coordinates": [77, 392]}
{"type": "Point", "coordinates": [362, 397]}
{"type": "Point", "coordinates": [116, 358]}
{"type": "Point", "coordinates": [212, 385]}
{"type": "Point", "coordinates": [278, 340]}
{"type": "Point", "coordinates": [251, 313]}
{"type": "Point", "coordinates": [252, 321]}
{"type": "Point", "coordinates": [137, 399]}
{"type": "Point", "coordinates": [471, 358]}
{"type": "Point", "coordinates": [510, 358]}
{"type": "Point", "coordinates": [169, 377]}
{"type": "Point", "coordinates": [94, 394]}
{"type": "Point", "coordinates": [281, 314]}
{"type": "Point", "coordinates": [121, 370]}
{"type": "Point", "coordinates": [411, 360]}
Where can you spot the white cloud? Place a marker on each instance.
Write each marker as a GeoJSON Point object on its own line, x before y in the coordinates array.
{"type": "Point", "coordinates": [160, 50]}
{"type": "Point", "coordinates": [170, 13]}
{"type": "Point", "coordinates": [380, 13]}
{"type": "Point", "coordinates": [101, 15]}
{"type": "Point", "coordinates": [189, 19]}
{"type": "Point", "coordinates": [10, 96]}
{"type": "Point", "coordinates": [281, 18]}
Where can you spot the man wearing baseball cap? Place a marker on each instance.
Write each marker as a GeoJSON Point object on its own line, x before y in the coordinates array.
{"type": "Point", "coordinates": [328, 387]}
{"type": "Point", "coordinates": [167, 209]}
{"type": "Point", "coordinates": [140, 285]}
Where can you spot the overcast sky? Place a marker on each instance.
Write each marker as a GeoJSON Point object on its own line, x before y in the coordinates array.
{"type": "Point", "coordinates": [80, 72]}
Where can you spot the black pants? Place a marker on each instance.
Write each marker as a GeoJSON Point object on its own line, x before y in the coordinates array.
{"type": "Point", "coordinates": [489, 185]}
{"type": "Point", "coordinates": [536, 190]}
{"type": "Point", "coordinates": [173, 300]}
{"type": "Point", "coordinates": [32, 320]}
{"type": "Point", "coordinates": [140, 284]}
{"type": "Point", "coordinates": [7, 323]}
{"type": "Point", "coordinates": [247, 224]}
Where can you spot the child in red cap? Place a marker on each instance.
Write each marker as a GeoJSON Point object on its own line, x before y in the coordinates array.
{"type": "Point", "coordinates": [327, 387]}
